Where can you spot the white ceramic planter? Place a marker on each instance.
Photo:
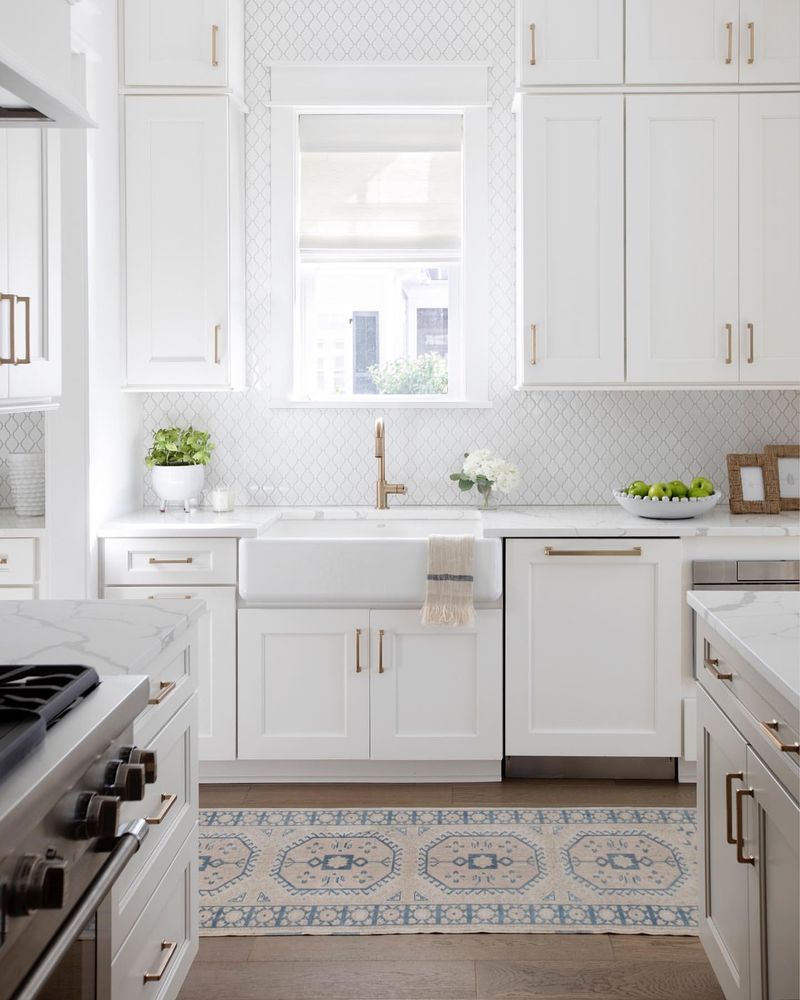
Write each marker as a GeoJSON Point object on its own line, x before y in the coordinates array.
{"type": "Point", "coordinates": [26, 476]}
{"type": "Point", "coordinates": [178, 483]}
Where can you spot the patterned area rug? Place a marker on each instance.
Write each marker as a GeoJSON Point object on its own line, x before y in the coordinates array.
{"type": "Point", "coordinates": [394, 871]}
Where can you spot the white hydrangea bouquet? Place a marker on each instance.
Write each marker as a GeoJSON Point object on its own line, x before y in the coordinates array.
{"type": "Point", "coordinates": [488, 472]}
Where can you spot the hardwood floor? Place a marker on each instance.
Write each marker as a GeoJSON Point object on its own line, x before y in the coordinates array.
{"type": "Point", "coordinates": [452, 966]}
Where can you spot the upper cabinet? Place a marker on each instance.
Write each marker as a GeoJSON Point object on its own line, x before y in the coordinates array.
{"type": "Point", "coordinates": [183, 43]}
{"type": "Point", "coordinates": [569, 42]}
{"type": "Point", "coordinates": [712, 41]}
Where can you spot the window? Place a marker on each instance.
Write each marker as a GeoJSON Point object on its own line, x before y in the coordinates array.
{"type": "Point", "coordinates": [379, 215]}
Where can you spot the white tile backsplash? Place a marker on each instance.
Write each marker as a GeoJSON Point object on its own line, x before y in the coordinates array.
{"type": "Point", "coordinates": [18, 432]}
{"type": "Point", "coordinates": [572, 447]}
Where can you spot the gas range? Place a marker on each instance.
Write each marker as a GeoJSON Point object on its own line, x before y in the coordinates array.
{"type": "Point", "coordinates": [66, 764]}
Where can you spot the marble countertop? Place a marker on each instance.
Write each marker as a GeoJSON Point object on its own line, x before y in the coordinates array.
{"type": "Point", "coordinates": [506, 522]}
{"type": "Point", "coordinates": [12, 526]}
{"type": "Point", "coordinates": [111, 636]}
{"type": "Point", "coordinates": [762, 626]}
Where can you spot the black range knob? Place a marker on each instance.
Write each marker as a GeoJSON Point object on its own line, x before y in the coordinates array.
{"type": "Point", "coordinates": [38, 884]}
{"type": "Point", "coordinates": [133, 755]}
{"type": "Point", "coordinates": [125, 781]}
{"type": "Point", "coordinates": [96, 816]}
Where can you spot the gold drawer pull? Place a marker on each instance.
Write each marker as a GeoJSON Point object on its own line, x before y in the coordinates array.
{"type": "Point", "coordinates": [358, 650]}
{"type": "Point", "coordinates": [729, 29]}
{"type": "Point", "coordinates": [635, 551]}
{"type": "Point", "coordinates": [12, 301]}
{"type": "Point", "coordinates": [153, 561]}
{"type": "Point", "coordinates": [168, 800]}
{"type": "Point", "coordinates": [772, 729]}
{"type": "Point", "coordinates": [740, 855]}
{"type": "Point", "coordinates": [751, 30]}
{"type": "Point", "coordinates": [169, 597]}
{"type": "Point", "coordinates": [168, 948]}
{"type": "Point", "coordinates": [729, 780]}
{"type": "Point", "coordinates": [750, 346]}
{"type": "Point", "coordinates": [533, 343]}
{"type": "Point", "coordinates": [729, 355]}
{"type": "Point", "coordinates": [164, 688]}
{"type": "Point", "coordinates": [533, 44]}
{"type": "Point", "coordinates": [217, 332]}
{"type": "Point", "coordinates": [214, 33]}
{"type": "Point", "coordinates": [713, 666]}
{"type": "Point", "coordinates": [381, 633]}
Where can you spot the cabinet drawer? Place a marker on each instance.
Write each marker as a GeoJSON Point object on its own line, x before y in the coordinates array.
{"type": "Point", "coordinates": [157, 954]}
{"type": "Point", "coordinates": [17, 561]}
{"type": "Point", "coordinates": [173, 679]}
{"type": "Point", "coordinates": [154, 561]}
{"type": "Point", "coordinates": [17, 593]}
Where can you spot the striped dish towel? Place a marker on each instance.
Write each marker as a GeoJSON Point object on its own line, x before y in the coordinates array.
{"type": "Point", "coordinates": [448, 594]}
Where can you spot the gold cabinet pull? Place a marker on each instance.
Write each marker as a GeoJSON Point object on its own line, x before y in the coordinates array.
{"type": "Point", "coordinates": [26, 300]}
{"type": "Point", "coordinates": [729, 355]}
{"type": "Point", "coordinates": [153, 561]}
{"type": "Point", "coordinates": [750, 343]}
{"type": "Point", "coordinates": [358, 650]}
{"type": "Point", "coordinates": [164, 688]}
{"type": "Point", "coordinates": [729, 780]}
{"type": "Point", "coordinates": [740, 855]}
{"type": "Point", "coordinates": [12, 301]}
{"type": "Point", "coordinates": [168, 949]}
{"type": "Point", "coordinates": [217, 331]}
{"type": "Point", "coordinates": [214, 33]}
{"type": "Point", "coordinates": [712, 664]}
{"type": "Point", "coordinates": [751, 31]}
{"type": "Point", "coordinates": [169, 597]}
{"type": "Point", "coordinates": [772, 729]}
{"type": "Point", "coordinates": [533, 343]}
{"type": "Point", "coordinates": [533, 44]}
{"type": "Point", "coordinates": [381, 633]}
{"type": "Point", "coordinates": [729, 29]}
{"type": "Point", "coordinates": [168, 800]}
{"type": "Point", "coordinates": [635, 551]}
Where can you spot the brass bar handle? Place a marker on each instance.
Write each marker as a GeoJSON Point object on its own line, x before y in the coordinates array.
{"type": "Point", "coordinates": [168, 800]}
{"type": "Point", "coordinates": [169, 597]}
{"type": "Point", "coordinates": [358, 650]}
{"type": "Point", "coordinates": [729, 355]}
{"type": "Point", "coordinates": [381, 633]}
{"type": "Point", "coordinates": [729, 29]}
{"type": "Point", "coordinates": [751, 31]}
{"type": "Point", "coordinates": [533, 44]}
{"type": "Point", "coordinates": [214, 33]}
{"type": "Point", "coordinates": [217, 331]}
{"type": "Point", "coordinates": [740, 855]}
{"type": "Point", "coordinates": [26, 299]}
{"type": "Point", "coordinates": [772, 729]}
{"type": "Point", "coordinates": [153, 561]}
{"type": "Point", "coordinates": [164, 688]}
{"type": "Point", "coordinates": [729, 780]}
{"type": "Point", "coordinates": [635, 551]}
{"type": "Point", "coordinates": [750, 346]}
{"type": "Point", "coordinates": [168, 948]}
{"type": "Point", "coordinates": [533, 343]}
{"type": "Point", "coordinates": [12, 300]}
{"type": "Point", "coordinates": [712, 664]}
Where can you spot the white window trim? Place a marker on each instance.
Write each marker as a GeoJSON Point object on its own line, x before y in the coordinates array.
{"type": "Point", "coordinates": [299, 88]}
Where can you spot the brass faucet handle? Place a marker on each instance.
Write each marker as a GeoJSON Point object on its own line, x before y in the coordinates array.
{"type": "Point", "coordinates": [396, 488]}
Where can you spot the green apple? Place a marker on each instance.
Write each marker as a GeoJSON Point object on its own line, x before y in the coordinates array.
{"type": "Point", "coordinates": [638, 488]}
{"type": "Point", "coordinates": [698, 491]}
{"type": "Point", "coordinates": [679, 488]}
{"type": "Point", "coordinates": [701, 483]}
{"type": "Point", "coordinates": [660, 491]}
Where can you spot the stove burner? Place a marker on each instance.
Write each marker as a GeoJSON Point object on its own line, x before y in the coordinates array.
{"type": "Point", "coordinates": [32, 699]}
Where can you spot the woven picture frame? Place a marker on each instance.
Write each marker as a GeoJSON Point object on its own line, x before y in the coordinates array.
{"type": "Point", "coordinates": [775, 452]}
{"type": "Point", "coordinates": [769, 471]}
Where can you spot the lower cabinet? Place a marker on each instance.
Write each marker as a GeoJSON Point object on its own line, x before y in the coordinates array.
{"type": "Point", "coordinates": [360, 684]}
{"type": "Point", "coordinates": [593, 658]}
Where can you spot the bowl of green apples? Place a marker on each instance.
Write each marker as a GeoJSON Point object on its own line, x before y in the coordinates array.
{"type": "Point", "coordinates": [669, 500]}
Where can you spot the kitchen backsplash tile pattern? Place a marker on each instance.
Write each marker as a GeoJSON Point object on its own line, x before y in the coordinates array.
{"type": "Point", "coordinates": [572, 447]}
{"type": "Point", "coordinates": [18, 432]}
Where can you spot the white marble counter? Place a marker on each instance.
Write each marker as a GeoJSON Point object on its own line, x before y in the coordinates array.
{"type": "Point", "coordinates": [12, 526]}
{"type": "Point", "coordinates": [505, 522]}
{"type": "Point", "coordinates": [762, 626]}
{"type": "Point", "coordinates": [111, 636]}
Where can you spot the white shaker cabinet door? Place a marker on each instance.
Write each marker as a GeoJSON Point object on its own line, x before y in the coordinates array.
{"type": "Point", "coordinates": [176, 247]}
{"type": "Point", "coordinates": [593, 647]}
{"type": "Point", "coordinates": [770, 41]}
{"type": "Point", "coordinates": [303, 685]}
{"type": "Point", "coordinates": [682, 239]}
{"type": "Point", "coordinates": [176, 43]}
{"type": "Point", "coordinates": [436, 692]}
{"type": "Point", "coordinates": [571, 273]}
{"type": "Point", "coordinates": [682, 41]}
{"type": "Point", "coordinates": [722, 881]}
{"type": "Point", "coordinates": [569, 41]}
{"type": "Point", "coordinates": [769, 237]}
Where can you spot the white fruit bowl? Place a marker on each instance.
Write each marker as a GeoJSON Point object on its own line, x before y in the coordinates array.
{"type": "Point", "coordinates": [667, 509]}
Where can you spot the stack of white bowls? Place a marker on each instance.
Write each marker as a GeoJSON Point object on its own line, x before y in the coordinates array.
{"type": "Point", "coordinates": [26, 476]}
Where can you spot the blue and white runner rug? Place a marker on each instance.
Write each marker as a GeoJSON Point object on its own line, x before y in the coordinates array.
{"type": "Point", "coordinates": [413, 871]}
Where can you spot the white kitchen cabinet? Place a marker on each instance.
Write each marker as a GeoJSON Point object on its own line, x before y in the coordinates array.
{"type": "Point", "coordinates": [769, 49]}
{"type": "Point", "coordinates": [183, 202]}
{"type": "Point", "coordinates": [569, 42]}
{"type": "Point", "coordinates": [435, 692]}
{"type": "Point", "coordinates": [593, 647]}
{"type": "Point", "coordinates": [570, 277]}
{"type": "Point", "coordinates": [769, 237]}
{"type": "Point", "coordinates": [682, 242]}
{"type": "Point", "coordinates": [303, 684]}
{"type": "Point", "coordinates": [30, 269]}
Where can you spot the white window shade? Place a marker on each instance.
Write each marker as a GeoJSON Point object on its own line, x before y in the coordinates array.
{"type": "Point", "coordinates": [383, 184]}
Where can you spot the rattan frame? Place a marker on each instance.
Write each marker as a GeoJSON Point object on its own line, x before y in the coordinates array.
{"type": "Point", "coordinates": [774, 452]}
{"type": "Point", "coordinates": [769, 466]}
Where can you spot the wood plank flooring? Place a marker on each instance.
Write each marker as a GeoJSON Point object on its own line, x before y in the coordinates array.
{"type": "Point", "coordinates": [452, 966]}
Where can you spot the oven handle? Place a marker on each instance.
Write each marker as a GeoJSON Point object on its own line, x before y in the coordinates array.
{"type": "Point", "coordinates": [128, 843]}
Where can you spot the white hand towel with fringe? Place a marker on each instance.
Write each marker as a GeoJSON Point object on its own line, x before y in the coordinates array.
{"type": "Point", "coordinates": [448, 594]}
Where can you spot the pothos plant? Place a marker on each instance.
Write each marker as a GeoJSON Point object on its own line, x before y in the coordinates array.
{"type": "Point", "coordinates": [179, 446]}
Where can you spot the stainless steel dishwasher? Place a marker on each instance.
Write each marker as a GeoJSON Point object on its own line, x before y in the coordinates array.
{"type": "Point", "coordinates": [746, 574]}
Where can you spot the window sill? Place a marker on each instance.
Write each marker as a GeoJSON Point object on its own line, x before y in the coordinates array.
{"type": "Point", "coordinates": [384, 403]}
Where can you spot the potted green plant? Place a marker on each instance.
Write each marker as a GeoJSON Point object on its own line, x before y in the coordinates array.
{"type": "Point", "coordinates": [177, 459]}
